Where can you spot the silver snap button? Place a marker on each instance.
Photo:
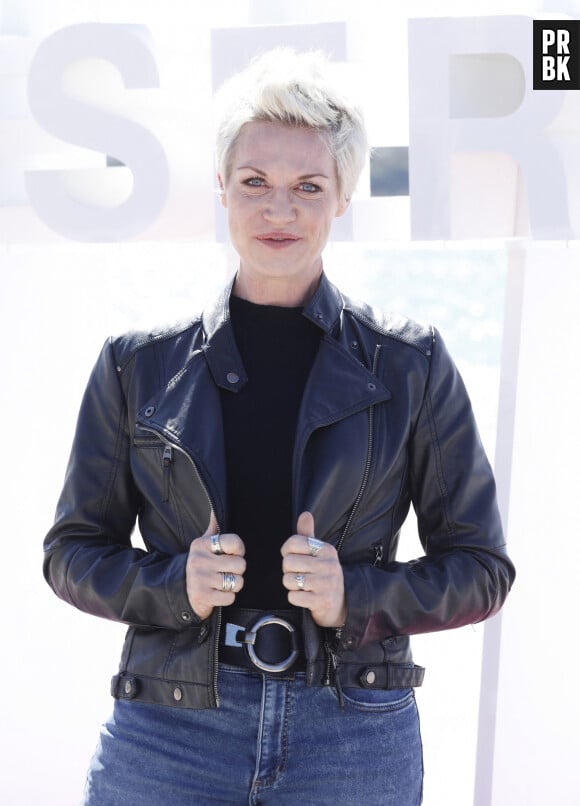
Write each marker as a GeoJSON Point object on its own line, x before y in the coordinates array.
{"type": "Point", "coordinates": [372, 387]}
{"type": "Point", "coordinates": [232, 377]}
{"type": "Point", "coordinates": [128, 687]}
{"type": "Point", "coordinates": [177, 694]}
{"type": "Point", "coordinates": [149, 411]}
{"type": "Point", "coordinates": [370, 678]}
{"type": "Point", "coordinates": [186, 615]}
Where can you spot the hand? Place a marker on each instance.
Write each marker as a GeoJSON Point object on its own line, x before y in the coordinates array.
{"type": "Point", "coordinates": [204, 570]}
{"type": "Point", "coordinates": [323, 592]}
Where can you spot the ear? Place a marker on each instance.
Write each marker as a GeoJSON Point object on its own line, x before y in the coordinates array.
{"type": "Point", "coordinates": [222, 186]}
{"type": "Point", "coordinates": [342, 207]}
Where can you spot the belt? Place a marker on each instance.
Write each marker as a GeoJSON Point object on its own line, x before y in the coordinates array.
{"type": "Point", "coordinates": [270, 641]}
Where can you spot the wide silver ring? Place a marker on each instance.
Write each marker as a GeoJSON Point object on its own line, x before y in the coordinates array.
{"type": "Point", "coordinates": [215, 545]}
{"type": "Point", "coordinates": [228, 582]}
{"type": "Point", "coordinates": [315, 546]}
{"type": "Point", "coordinates": [250, 640]}
{"type": "Point", "coordinates": [299, 579]}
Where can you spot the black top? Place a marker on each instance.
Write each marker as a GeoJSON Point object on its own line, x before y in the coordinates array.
{"type": "Point", "coordinates": [277, 346]}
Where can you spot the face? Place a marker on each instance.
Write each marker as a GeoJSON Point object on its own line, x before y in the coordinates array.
{"type": "Point", "coordinates": [281, 196]}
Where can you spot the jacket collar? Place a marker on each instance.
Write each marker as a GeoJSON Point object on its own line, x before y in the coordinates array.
{"type": "Point", "coordinates": [324, 308]}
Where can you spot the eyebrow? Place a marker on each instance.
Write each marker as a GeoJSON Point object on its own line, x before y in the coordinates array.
{"type": "Point", "coordinates": [300, 178]}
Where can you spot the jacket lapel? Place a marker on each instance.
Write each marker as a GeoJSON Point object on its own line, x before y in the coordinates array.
{"type": "Point", "coordinates": [337, 387]}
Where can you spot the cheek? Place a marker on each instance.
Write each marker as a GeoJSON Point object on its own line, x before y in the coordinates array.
{"type": "Point", "coordinates": [324, 224]}
{"type": "Point", "coordinates": [317, 221]}
{"type": "Point", "coordinates": [241, 209]}
{"type": "Point", "coordinates": [235, 215]}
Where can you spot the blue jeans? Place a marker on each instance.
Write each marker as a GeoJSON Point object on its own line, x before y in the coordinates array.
{"type": "Point", "coordinates": [271, 741]}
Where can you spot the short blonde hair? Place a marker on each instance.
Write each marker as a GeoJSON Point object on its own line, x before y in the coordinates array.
{"type": "Point", "coordinates": [283, 86]}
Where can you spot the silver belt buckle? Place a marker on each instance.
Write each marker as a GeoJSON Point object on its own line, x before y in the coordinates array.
{"type": "Point", "coordinates": [249, 639]}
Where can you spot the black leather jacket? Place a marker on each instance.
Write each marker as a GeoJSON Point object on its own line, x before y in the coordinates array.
{"type": "Point", "coordinates": [385, 422]}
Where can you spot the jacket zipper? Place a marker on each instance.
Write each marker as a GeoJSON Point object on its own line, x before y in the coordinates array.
{"type": "Point", "coordinates": [332, 663]}
{"type": "Point", "coordinates": [167, 459]}
{"type": "Point", "coordinates": [367, 469]}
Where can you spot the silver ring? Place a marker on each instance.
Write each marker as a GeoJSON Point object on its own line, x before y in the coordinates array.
{"type": "Point", "coordinates": [315, 545]}
{"type": "Point", "coordinates": [228, 582]}
{"type": "Point", "coordinates": [215, 545]}
{"type": "Point", "coordinates": [299, 581]}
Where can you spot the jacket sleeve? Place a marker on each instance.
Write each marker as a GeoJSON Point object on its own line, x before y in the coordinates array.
{"type": "Point", "coordinates": [88, 557]}
{"type": "Point", "coordinates": [465, 574]}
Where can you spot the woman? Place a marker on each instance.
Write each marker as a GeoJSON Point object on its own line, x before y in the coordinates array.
{"type": "Point", "coordinates": [270, 451]}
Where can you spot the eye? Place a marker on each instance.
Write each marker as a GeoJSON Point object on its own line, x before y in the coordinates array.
{"type": "Point", "coordinates": [309, 187]}
{"type": "Point", "coordinates": [254, 182]}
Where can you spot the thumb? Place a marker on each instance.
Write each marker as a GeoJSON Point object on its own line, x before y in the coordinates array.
{"type": "Point", "coordinates": [305, 525]}
{"type": "Point", "coordinates": [213, 527]}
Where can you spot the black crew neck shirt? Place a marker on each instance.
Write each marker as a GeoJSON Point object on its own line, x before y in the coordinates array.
{"type": "Point", "coordinates": [277, 346]}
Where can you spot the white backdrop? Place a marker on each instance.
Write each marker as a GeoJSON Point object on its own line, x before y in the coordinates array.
{"type": "Point", "coordinates": [111, 246]}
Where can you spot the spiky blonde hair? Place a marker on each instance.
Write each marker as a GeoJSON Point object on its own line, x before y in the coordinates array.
{"type": "Point", "coordinates": [283, 86]}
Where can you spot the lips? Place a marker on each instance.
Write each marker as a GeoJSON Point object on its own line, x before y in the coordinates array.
{"type": "Point", "coordinates": [277, 238]}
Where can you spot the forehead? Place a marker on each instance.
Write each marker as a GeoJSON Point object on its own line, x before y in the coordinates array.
{"type": "Point", "coordinates": [268, 146]}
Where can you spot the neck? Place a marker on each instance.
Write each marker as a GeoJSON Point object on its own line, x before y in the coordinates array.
{"type": "Point", "coordinates": [284, 291]}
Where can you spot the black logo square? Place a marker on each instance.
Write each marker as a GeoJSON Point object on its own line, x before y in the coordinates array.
{"type": "Point", "coordinates": [556, 54]}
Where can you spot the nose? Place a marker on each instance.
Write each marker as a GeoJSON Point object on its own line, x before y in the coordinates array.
{"type": "Point", "coordinates": [279, 207]}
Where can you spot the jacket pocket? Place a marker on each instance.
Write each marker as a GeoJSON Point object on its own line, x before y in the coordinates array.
{"type": "Point", "coordinates": [163, 459]}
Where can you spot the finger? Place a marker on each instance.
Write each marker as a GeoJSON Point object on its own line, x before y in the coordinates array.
{"type": "Point", "coordinates": [297, 544]}
{"type": "Point", "coordinates": [206, 576]}
{"type": "Point", "coordinates": [305, 524]}
{"type": "Point", "coordinates": [215, 598]}
{"type": "Point", "coordinates": [229, 563]}
{"type": "Point", "coordinates": [299, 564]}
{"type": "Point", "coordinates": [297, 582]}
{"type": "Point", "coordinates": [304, 599]}
{"type": "Point", "coordinates": [202, 555]}
{"type": "Point", "coordinates": [230, 543]}
{"type": "Point", "coordinates": [228, 582]}
{"type": "Point", "coordinates": [201, 561]}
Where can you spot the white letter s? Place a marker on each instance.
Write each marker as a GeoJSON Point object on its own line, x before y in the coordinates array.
{"type": "Point", "coordinates": [82, 124]}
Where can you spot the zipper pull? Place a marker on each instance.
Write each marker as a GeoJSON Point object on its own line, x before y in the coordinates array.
{"type": "Point", "coordinates": [330, 664]}
{"type": "Point", "coordinates": [378, 554]}
{"type": "Point", "coordinates": [167, 459]}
